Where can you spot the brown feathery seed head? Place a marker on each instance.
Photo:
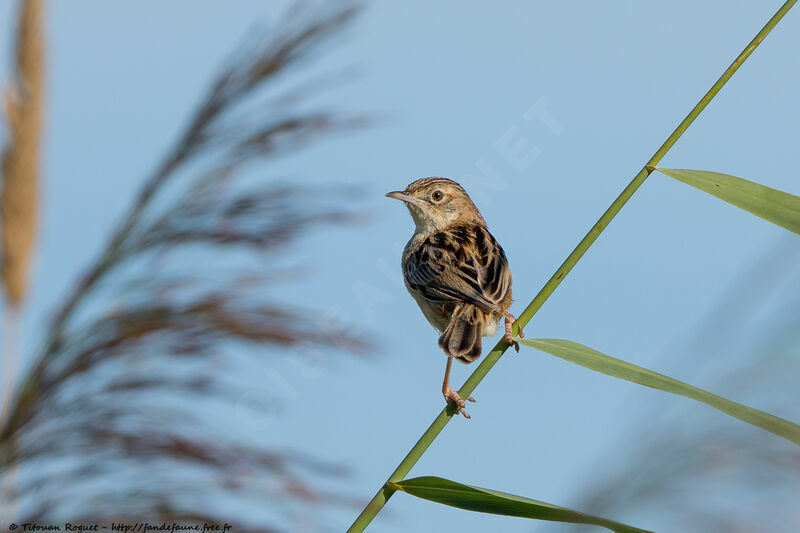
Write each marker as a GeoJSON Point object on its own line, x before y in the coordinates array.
{"type": "Point", "coordinates": [437, 203]}
{"type": "Point", "coordinates": [19, 163]}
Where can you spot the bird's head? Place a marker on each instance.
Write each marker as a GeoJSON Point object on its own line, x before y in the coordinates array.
{"type": "Point", "coordinates": [437, 203]}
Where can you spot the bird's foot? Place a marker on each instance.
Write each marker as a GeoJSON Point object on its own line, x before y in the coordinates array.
{"type": "Point", "coordinates": [510, 319]}
{"type": "Point", "coordinates": [451, 395]}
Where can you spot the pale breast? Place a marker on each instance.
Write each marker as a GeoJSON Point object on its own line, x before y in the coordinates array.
{"type": "Point", "coordinates": [434, 313]}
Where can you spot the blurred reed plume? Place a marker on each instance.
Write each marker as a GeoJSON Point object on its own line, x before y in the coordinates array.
{"type": "Point", "coordinates": [19, 192]}
{"type": "Point", "coordinates": [22, 105]}
{"type": "Point", "coordinates": [131, 371]}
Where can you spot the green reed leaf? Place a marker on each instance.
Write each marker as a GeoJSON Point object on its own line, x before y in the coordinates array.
{"type": "Point", "coordinates": [599, 362]}
{"type": "Point", "coordinates": [482, 500]}
{"type": "Point", "coordinates": [778, 207]}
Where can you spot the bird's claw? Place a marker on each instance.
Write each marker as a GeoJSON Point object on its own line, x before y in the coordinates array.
{"type": "Point", "coordinates": [508, 336]}
{"type": "Point", "coordinates": [452, 396]}
{"type": "Point", "coordinates": [510, 339]}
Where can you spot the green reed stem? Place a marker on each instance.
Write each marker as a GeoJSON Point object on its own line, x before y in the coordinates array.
{"type": "Point", "coordinates": [385, 492]}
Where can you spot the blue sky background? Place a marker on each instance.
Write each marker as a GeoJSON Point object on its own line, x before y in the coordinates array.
{"type": "Point", "coordinates": [544, 111]}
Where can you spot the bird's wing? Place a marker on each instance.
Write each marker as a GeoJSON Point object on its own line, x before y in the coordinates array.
{"type": "Point", "coordinates": [462, 264]}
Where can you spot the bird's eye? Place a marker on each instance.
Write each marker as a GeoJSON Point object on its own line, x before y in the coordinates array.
{"type": "Point", "coordinates": [437, 196]}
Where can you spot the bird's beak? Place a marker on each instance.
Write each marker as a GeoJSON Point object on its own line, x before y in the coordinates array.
{"type": "Point", "coordinates": [400, 195]}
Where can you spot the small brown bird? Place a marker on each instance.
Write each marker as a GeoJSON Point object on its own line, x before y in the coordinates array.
{"type": "Point", "coordinates": [456, 271]}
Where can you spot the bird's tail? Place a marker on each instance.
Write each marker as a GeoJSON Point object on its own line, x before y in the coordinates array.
{"type": "Point", "coordinates": [462, 336]}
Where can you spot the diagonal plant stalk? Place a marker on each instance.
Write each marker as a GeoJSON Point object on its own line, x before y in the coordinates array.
{"type": "Point", "coordinates": [386, 491]}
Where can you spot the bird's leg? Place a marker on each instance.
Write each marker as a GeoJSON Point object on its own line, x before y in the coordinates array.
{"type": "Point", "coordinates": [508, 336]}
{"type": "Point", "coordinates": [450, 394]}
